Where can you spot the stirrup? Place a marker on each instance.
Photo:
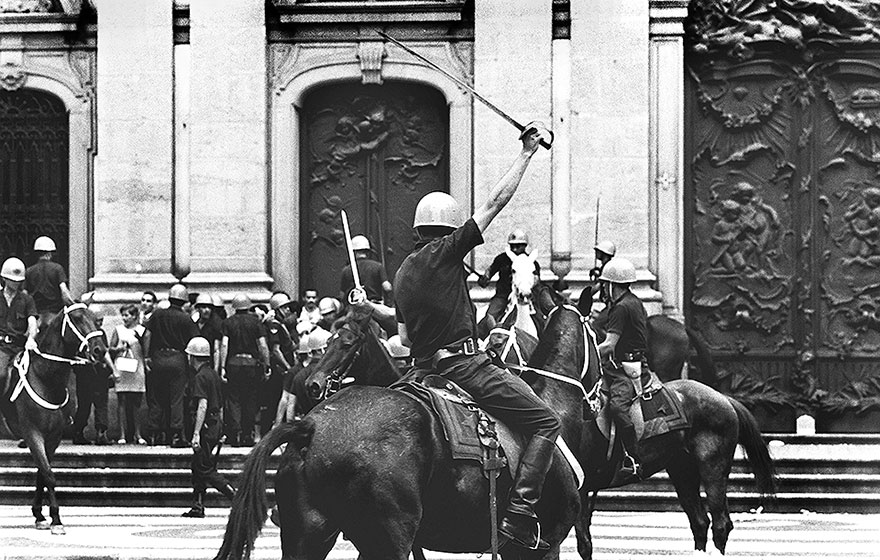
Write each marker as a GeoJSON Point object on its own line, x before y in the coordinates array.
{"type": "Point", "coordinates": [634, 467]}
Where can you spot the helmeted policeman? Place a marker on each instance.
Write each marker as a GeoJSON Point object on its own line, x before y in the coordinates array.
{"type": "Point", "coordinates": [623, 353]}
{"type": "Point", "coordinates": [207, 401]}
{"type": "Point", "coordinates": [436, 320]}
{"type": "Point", "coordinates": [168, 330]}
{"type": "Point", "coordinates": [46, 282]}
{"type": "Point", "coordinates": [372, 274]}
{"type": "Point", "coordinates": [518, 242]}
{"type": "Point", "coordinates": [209, 325]}
{"type": "Point", "coordinates": [18, 316]}
{"type": "Point", "coordinates": [604, 251]}
{"type": "Point", "coordinates": [244, 362]}
{"type": "Point", "coordinates": [330, 309]}
{"type": "Point", "coordinates": [281, 357]}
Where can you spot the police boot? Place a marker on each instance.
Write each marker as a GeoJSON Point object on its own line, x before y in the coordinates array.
{"type": "Point", "coordinates": [520, 523]}
{"type": "Point", "coordinates": [630, 468]}
{"type": "Point", "coordinates": [198, 507]}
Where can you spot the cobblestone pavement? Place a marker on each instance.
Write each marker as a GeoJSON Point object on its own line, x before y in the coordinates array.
{"type": "Point", "coordinates": [134, 533]}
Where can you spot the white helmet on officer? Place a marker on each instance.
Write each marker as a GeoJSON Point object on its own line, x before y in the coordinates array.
{"type": "Point", "coordinates": [198, 346]}
{"type": "Point", "coordinates": [360, 243]}
{"type": "Point", "coordinates": [178, 292]}
{"type": "Point", "coordinates": [241, 302]}
{"type": "Point", "coordinates": [619, 271]}
{"type": "Point", "coordinates": [318, 339]}
{"type": "Point", "coordinates": [204, 299]}
{"type": "Point", "coordinates": [329, 305]}
{"type": "Point", "coordinates": [13, 269]}
{"type": "Point", "coordinates": [44, 243]}
{"type": "Point", "coordinates": [606, 248]}
{"type": "Point", "coordinates": [518, 237]}
{"type": "Point", "coordinates": [437, 209]}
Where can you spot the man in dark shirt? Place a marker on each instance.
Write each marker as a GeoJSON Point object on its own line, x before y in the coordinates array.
{"type": "Point", "coordinates": [244, 363]}
{"type": "Point", "coordinates": [206, 398]}
{"type": "Point", "coordinates": [436, 320]}
{"type": "Point", "coordinates": [373, 277]}
{"type": "Point", "coordinates": [517, 241]}
{"type": "Point", "coordinates": [46, 282]}
{"type": "Point", "coordinates": [167, 333]}
{"type": "Point", "coordinates": [281, 354]}
{"type": "Point", "coordinates": [18, 316]}
{"type": "Point", "coordinates": [209, 326]}
{"type": "Point", "coordinates": [623, 354]}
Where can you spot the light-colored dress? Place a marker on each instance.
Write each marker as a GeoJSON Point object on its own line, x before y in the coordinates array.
{"type": "Point", "coordinates": [134, 382]}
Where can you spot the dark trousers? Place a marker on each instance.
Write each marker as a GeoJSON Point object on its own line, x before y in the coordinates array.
{"type": "Point", "coordinates": [502, 394]}
{"type": "Point", "coordinates": [269, 395]}
{"type": "Point", "coordinates": [240, 412]}
{"type": "Point", "coordinates": [166, 385]}
{"type": "Point", "coordinates": [204, 461]}
{"type": "Point", "coordinates": [91, 391]}
{"type": "Point", "coordinates": [621, 394]}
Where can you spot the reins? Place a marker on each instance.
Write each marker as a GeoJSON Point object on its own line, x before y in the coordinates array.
{"type": "Point", "coordinates": [22, 364]}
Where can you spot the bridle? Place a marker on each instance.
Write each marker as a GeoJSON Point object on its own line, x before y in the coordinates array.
{"type": "Point", "coordinates": [22, 364]}
{"type": "Point", "coordinates": [591, 397]}
{"type": "Point", "coordinates": [337, 378]}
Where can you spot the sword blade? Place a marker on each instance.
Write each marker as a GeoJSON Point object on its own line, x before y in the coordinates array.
{"type": "Point", "coordinates": [351, 259]}
{"type": "Point", "coordinates": [462, 84]}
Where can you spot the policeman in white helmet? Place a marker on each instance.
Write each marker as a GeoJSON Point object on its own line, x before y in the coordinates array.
{"type": "Point", "coordinates": [623, 354]}
{"type": "Point", "coordinates": [518, 242]}
{"type": "Point", "coordinates": [436, 320]}
{"type": "Point", "coordinates": [18, 316]}
{"type": "Point", "coordinates": [46, 282]}
{"type": "Point", "coordinates": [372, 273]}
{"type": "Point", "coordinates": [604, 252]}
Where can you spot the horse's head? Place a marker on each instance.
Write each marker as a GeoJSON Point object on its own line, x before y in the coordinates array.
{"type": "Point", "coordinates": [343, 349]}
{"type": "Point", "coordinates": [77, 335]}
{"type": "Point", "coordinates": [524, 278]}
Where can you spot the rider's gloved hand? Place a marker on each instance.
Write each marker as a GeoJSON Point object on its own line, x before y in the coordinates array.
{"type": "Point", "coordinates": [30, 344]}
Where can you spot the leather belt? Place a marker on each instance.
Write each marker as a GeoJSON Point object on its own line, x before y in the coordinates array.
{"type": "Point", "coordinates": [466, 348]}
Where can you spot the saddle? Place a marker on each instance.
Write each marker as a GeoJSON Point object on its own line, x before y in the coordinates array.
{"type": "Point", "coordinates": [472, 433]}
{"type": "Point", "coordinates": [656, 410]}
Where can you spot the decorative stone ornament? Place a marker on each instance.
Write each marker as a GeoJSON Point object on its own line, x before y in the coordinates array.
{"type": "Point", "coordinates": [12, 76]}
{"type": "Point", "coordinates": [25, 6]}
{"type": "Point", "coordinates": [371, 55]}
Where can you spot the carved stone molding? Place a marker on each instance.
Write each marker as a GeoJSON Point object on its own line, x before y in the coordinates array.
{"type": "Point", "coordinates": [12, 76]}
{"type": "Point", "coordinates": [371, 55]}
{"type": "Point", "coordinates": [26, 6]}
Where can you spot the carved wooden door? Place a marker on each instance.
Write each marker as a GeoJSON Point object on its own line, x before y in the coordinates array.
{"type": "Point", "coordinates": [34, 171]}
{"type": "Point", "coordinates": [783, 145]}
{"type": "Point", "coordinates": [373, 151]}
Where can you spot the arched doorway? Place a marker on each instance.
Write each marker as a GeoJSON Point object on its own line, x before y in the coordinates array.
{"type": "Point", "coordinates": [373, 151]}
{"type": "Point", "coordinates": [34, 167]}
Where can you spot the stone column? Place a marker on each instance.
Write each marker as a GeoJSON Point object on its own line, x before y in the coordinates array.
{"type": "Point", "coordinates": [134, 167]}
{"type": "Point", "coordinates": [666, 241]}
{"type": "Point", "coordinates": [228, 203]}
{"type": "Point", "coordinates": [512, 68]}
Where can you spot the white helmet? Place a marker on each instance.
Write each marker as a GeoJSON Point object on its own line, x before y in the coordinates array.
{"type": "Point", "coordinates": [518, 237]}
{"type": "Point", "coordinates": [44, 243]}
{"type": "Point", "coordinates": [318, 339]}
{"type": "Point", "coordinates": [619, 271]}
{"type": "Point", "coordinates": [360, 243]}
{"type": "Point", "coordinates": [328, 305]}
{"type": "Point", "coordinates": [396, 347]}
{"type": "Point", "coordinates": [606, 247]}
{"type": "Point", "coordinates": [437, 209]}
{"type": "Point", "coordinates": [198, 346]}
{"type": "Point", "coordinates": [13, 269]}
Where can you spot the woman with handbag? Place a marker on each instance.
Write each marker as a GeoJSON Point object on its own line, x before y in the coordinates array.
{"type": "Point", "coordinates": [128, 373]}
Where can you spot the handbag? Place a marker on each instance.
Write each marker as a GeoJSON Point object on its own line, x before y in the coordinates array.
{"type": "Point", "coordinates": [126, 362]}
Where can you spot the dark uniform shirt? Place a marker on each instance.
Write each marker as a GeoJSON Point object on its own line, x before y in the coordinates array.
{"type": "Point", "coordinates": [170, 328]}
{"type": "Point", "coordinates": [210, 331]}
{"type": "Point", "coordinates": [278, 334]}
{"type": "Point", "coordinates": [627, 318]}
{"type": "Point", "coordinates": [207, 385]}
{"type": "Point", "coordinates": [504, 267]}
{"type": "Point", "coordinates": [372, 275]}
{"type": "Point", "coordinates": [432, 295]}
{"type": "Point", "coordinates": [243, 330]}
{"type": "Point", "coordinates": [14, 316]}
{"type": "Point", "coordinates": [43, 281]}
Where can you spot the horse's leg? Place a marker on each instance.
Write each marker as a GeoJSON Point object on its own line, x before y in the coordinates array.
{"type": "Point", "coordinates": [38, 447]}
{"type": "Point", "coordinates": [685, 476]}
{"type": "Point", "coordinates": [305, 533]}
{"type": "Point", "coordinates": [37, 506]}
{"type": "Point", "coordinates": [582, 526]}
{"type": "Point", "coordinates": [715, 484]}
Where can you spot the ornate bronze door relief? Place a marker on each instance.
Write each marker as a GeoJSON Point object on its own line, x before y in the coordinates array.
{"type": "Point", "coordinates": [34, 185]}
{"type": "Point", "coordinates": [374, 151]}
{"type": "Point", "coordinates": [783, 233]}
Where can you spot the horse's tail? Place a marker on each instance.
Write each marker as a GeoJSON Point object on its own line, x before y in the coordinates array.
{"type": "Point", "coordinates": [249, 506]}
{"type": "Point", "coordinates": [757, 453]}
{"type": "Point", "coordinates": [705, 363]}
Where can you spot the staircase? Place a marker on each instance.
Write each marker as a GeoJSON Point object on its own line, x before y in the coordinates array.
{"type": "Point", "coordinates": [822, 473]}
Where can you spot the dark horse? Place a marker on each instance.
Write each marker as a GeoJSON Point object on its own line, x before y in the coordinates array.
{"type": "Point", "coordinates": [38, 395]}
{"type": "Point", "coordinates": [374, 464]}
{"type": "Point", "coordinates": [699, 456]}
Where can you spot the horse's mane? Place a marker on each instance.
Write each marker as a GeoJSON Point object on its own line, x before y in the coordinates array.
{"type": "Point", "coordinates": [54, 328]}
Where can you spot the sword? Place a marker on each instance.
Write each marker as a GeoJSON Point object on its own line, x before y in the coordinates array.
{"type": "Point", "coordinates": [467, 87]}
{"type": "Point", "coordinates": [358, 294]}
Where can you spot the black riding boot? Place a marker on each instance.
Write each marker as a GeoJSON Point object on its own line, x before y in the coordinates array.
{"type": "Point", "coordinates": [520, 524]}
{"type": "Point", "coordinates": [198, 507]}
{"type": "Point", "coordinates": [631, 467]}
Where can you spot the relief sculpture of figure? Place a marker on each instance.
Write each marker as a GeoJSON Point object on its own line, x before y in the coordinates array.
{"type": "Point", "coordinates": [863, 219]}
{"type": "Point", "coordinates": [760, 227]}
{"type": "Point", "coordinates": [727, 235]}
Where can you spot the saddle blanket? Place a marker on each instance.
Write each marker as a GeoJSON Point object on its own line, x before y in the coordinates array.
{"type": "Point", "coordinates": [655, 412]}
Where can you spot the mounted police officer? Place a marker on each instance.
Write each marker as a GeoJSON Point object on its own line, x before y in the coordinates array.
{"type": "Point", "coordinates": [604, 251]}
{"type": "Point", "coordinates": [371, 273]}
{"type": "Point", "coordinates": [518, 242]}
{"type": "Point", "coordinates": [18, 317]}
{"type": "Point", "coordinates": [436, 320]}
{"type": "Point", "coordinates": [46, 282]}
{"type": "Point", "coordinates": [623, 353]}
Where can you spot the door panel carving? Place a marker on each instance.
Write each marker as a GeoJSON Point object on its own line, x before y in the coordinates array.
{"type": "Point", "coordinates": [34, 185]}
{"type": "Point", "coordinates": [372, 151]}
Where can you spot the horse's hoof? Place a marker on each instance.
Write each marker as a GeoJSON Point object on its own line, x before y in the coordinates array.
{"type": "Point", "coordinates": [58, 530]}
{"type": "Point", "coordinates": [42, 525]}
